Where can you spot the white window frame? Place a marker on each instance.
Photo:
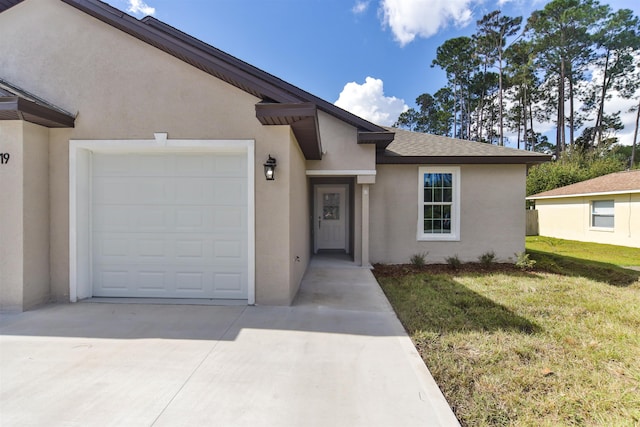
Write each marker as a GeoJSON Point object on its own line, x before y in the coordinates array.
{"type": "Point", "coordinates": [592, 214]}
{"type": "Point", "coordinates": [455, 205]}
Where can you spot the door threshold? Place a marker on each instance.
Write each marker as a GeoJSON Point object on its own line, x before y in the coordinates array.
{"type": "Point", "coordinates": [166, 301]}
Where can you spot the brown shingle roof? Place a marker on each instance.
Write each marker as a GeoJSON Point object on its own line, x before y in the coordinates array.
{"type": "Point", "coordinates": [416, 147]}
{"type": "Point", "coordinates": [619, 182]}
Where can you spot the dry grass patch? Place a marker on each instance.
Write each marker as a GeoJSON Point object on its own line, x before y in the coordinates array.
{"type": "Point", "coordinates": [514, 348]}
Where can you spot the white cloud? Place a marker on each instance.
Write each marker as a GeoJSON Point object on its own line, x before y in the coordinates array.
{"type": "Point", "coordinates": [360, 7]}
{"type": "Point", "coordinates": [409, 19]}
{"type": "Point", "coordinates": [140, 7]}
{"type": "Point", "coordinates": [367, 100]}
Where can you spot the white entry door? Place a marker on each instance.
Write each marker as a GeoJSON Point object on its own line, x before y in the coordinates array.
{"type": "Point", "coordinates": [330, 217]}
{"type": "Point", "coordinates": [169, 225]}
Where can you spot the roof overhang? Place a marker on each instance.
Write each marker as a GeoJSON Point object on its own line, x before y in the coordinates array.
{"type": "Point", "coordinates": [597, 193]}
{"type": "Point", "coordinates": [381, 158]}
{"type": "Point", "coordinates": [17, 108]}
{"type": "Point", "coordinates": [380, 139]}
{"type": "Point", "coordinates": [303, 119]}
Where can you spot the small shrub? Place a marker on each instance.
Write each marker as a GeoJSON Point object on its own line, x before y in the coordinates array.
{"type": "Point", "coordinates": [487, 258]}
{"type": "Point", "coordinates": [418, 260]}
{"type": "Point", "coordinates": [523, 262]}
{"type": "Point", "coordinates": [453, 261]}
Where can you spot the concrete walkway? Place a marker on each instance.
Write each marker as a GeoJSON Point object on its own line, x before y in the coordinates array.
{"type": "Point", "coordinates": [337, 357]}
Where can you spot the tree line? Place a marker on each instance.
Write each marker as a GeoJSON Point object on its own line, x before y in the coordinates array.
{"type": "Point", "coordinates": [563, 65]}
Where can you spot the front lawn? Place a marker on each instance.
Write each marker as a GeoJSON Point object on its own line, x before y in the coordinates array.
{"type": "Point", "coordinates": [540, 348]}
{"type": "Point", "coordinates": [618, 255]}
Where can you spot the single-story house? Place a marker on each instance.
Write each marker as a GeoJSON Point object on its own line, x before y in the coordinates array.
{"type": "Point", "coordinates": [601, 210]}
{"type": "Point", "coordinates": [138, 161]}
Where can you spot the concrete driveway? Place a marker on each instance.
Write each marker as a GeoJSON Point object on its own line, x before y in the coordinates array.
{"type": "Point", "coordinates": [337, 357]}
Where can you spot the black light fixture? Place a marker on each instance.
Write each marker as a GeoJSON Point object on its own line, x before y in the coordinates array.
{"type": "Point", "coordinates": [270, 168]}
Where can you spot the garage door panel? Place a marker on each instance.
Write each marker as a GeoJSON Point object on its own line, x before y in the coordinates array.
{"type": "Point", "coordinates": [180, 281]}
{"type": "Point", "coordinates": [228, 282]}
{"type": "Point", "coordinates": [179, 248]}
{"type": "Point", "coordinates": [151, 280]}
{"type": "Point", "coordinates": [229, 219]}
{"type": "Point", "coordinates": [230, 165]}
{"type": "Point", "coordinates": [170, 225]}
{"type": "Point", "coordinates": [229, 191]}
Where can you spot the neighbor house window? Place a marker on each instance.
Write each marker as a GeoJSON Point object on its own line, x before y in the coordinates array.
{"type": "Point", "coordinates": [602, 214]}
{"type": "Point", "coordinates": [439, 203]}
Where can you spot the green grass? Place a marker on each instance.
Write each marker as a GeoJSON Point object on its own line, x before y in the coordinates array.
{"type": "Point", "coordinates": [542, 348]}
{"type": "Point", "coordinates": [610, 254]}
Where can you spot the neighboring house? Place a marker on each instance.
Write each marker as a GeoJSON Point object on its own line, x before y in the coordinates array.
{"type": "Point", "coordinates": [133, 165]}
{"type": "Point", "coordinates": [602, 210]}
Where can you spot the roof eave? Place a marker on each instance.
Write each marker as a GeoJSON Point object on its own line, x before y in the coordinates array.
{"type": "Point", "coordinates": [380, 139]}
{"type": "Point", "coordinates": [592, 194]}
{"type": "Point", "coordinates": [214, 61]}
{"type": "Point", "coordinates": [303, 119]}
{"type": "Point", "coordinates": [35, 113]}
{"type": "Point", "coordinates": [382, 158]}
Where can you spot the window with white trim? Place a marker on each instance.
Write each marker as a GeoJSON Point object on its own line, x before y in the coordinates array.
{"type": "Point", "coordinates": [602, 214]}
{"type": "Point", "coordinates": [439, 203]}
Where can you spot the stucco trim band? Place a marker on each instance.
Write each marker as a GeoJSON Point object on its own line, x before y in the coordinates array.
{"type": "Point", "coordinates": [343, 172]}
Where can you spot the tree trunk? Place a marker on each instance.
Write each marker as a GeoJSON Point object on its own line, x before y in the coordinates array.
{"type": "Point", "coordinates": [598, 126]}
{"type": "Point", "coordinates": [635, 139]}
{"type": "Point", "coordinates": [524, 116]}
{"type": "Point", "coordinates": [482, 97]}
{"type": "Point", "coordinates": [500, 96]}
{"type": "Point", "coordinates": [560, 144]}
{"type": "Point", "coordinates": [455, 109]}
{"type": "Point", "coordinates": [571, 110]}
{"type": "Point", "coordinates": [559, 121]}
{"type": "Point", "coordinates": [533, 134]}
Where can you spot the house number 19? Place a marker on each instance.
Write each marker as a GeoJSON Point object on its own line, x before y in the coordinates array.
{"type": "Point", "coordinates": [4, 158]}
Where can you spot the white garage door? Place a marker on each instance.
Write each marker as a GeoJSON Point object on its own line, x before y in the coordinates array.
{"type": "Point", "coordinates": [169, 225]}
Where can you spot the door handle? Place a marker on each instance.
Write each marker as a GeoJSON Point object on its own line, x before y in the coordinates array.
{"type": "Point", "coordinates": [319, 221]}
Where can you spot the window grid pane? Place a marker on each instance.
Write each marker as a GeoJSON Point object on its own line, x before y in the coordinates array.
{"type": "Point", "coordinates": [438, 198]}
{"type": "Point", "coordinates": [602, 213]}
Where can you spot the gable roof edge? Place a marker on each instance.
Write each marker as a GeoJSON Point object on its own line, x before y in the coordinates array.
{"type": "Point", "coordinates": [214, 61]}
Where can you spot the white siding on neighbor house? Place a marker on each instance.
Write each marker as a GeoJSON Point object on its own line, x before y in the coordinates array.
{"type": "Point", "coordinates": [570, 218]}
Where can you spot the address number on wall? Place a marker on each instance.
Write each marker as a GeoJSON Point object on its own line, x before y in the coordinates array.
{"type": "Point", "coordinates": [4, 158]}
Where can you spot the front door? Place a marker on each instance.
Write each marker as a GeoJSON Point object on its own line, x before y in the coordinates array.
{"type": "Point", "coordinates": [330, 217]}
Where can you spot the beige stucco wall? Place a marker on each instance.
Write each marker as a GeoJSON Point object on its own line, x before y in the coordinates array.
{"type": "Point", "coordinates": [492, 214]}
{"type": "Point", "coordinates": [299, 232]}
{"type": "Point", "coordinates": [36, 215]}
{"type": "Point", "coordinates": [340, 152]}
{"type": "Point", "coordinates": [570, 218]}
{"type": "Point", "coordinates": [24, 216]}
{"type": "Point", "coordinates": [126, 89]}
{"type": "Point", "coordinates": [11, 217]}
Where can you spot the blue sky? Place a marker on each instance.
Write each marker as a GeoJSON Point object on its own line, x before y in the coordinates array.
{"type": "Point", "coordinates": [373, 55]}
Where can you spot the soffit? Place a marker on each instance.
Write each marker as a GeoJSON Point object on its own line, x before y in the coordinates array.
{"type": "Point", "coordinates": [303, 119]}
{"type": "Point", "coordinates": [18, 104]}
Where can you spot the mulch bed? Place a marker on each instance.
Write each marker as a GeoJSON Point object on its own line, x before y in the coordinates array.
{"type": "Point", "coordinates": [399, 270]}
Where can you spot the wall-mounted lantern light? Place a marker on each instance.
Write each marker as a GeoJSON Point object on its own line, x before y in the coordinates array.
{"type": "Point", "coordinates": [270, 168]}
